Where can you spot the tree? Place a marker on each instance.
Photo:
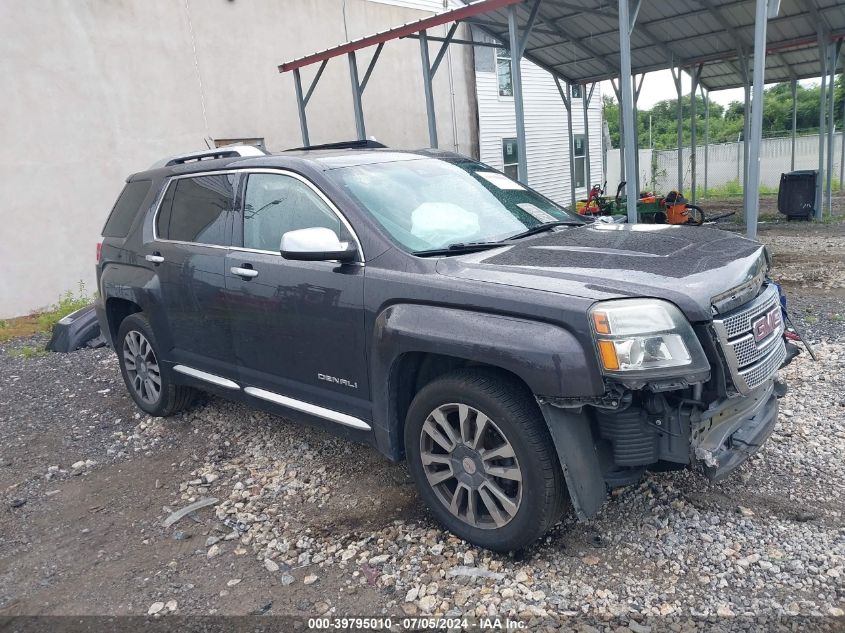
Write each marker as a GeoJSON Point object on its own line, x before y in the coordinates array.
{"type": "Point", "coordinates": [726, 124]}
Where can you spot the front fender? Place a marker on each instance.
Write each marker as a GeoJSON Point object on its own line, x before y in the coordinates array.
{"type": "Point", "coordinates": [547, 357]}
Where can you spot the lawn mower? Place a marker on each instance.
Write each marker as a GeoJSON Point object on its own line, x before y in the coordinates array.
{"type": "Point", "coordinates": [670, 209]}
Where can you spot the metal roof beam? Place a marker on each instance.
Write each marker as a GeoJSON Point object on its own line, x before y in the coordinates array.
{"type": "Point", "coordinates": [496, 25]}
{"type": "Point", "coordinates": [456, 41]}
{"type": "Point", "coordinates": [818, 18]}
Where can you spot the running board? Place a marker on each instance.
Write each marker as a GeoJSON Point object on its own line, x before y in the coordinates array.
{"type": "Point", "coordinates": [203, 375]}
{"type": "Point", "coordinates": [307, 407]}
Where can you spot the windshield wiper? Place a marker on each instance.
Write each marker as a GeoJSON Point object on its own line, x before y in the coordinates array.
{"type": "Point", "coordinates": [459, 248]}
{"type": "Point", "coordinates": [545, 226]}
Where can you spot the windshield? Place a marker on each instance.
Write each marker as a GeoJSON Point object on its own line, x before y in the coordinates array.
{"type": "Point", "coordinates": [428, 203]}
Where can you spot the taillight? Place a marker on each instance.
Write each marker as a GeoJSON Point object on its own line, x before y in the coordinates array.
{"type": "Point", "coordinates": [99, 252]}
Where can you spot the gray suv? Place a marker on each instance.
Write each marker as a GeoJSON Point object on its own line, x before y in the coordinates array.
{"type": "Point", "coordinates": [519, 359]}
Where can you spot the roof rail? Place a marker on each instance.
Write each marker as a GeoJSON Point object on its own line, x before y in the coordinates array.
{"type": "Point", "coordinates": [359, 144]}
{"type": "Point", "coordinates": [228, 151]}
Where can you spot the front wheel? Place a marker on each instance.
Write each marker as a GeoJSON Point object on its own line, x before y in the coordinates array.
{"type": "Point", "coordinates": [695, 215]}
{"type": "Point", "coordinates": [483, 460]}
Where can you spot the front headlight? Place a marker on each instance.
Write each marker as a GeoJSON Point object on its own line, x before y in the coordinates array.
{"type": "Point", "coordinates": [645, 336]}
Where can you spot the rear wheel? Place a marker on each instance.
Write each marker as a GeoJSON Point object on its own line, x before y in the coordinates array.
{"type": "Point", "coordinates": [482, 458]}
{"type": "Point", "coordinates": [695, 215]}
{"type": "Point", "coordinates": [148, 381]}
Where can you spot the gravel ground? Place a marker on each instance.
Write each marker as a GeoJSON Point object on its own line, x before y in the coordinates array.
{"type": "Point", "coordinates": [308, 524]}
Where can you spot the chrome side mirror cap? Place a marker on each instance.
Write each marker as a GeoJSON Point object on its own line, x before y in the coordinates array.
{"type": "Point", "coordinates": [316, 244]}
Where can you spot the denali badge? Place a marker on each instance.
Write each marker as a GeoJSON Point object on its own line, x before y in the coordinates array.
{"type": "Point", "coordinates": [338, 381]}
{"type": "Point", "coordinates": [766, 324]}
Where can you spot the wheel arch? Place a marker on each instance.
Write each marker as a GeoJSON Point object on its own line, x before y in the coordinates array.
{"type": "Point", "coordinates": [413, 344]}
{"type": "Point", "coordinates": [117, 310]}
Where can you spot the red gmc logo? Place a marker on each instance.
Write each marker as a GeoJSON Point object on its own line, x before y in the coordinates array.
{"type": "Point", "coordinates": [766, 324]}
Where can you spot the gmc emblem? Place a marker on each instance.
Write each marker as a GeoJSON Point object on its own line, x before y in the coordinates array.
{"type": "Point", "coordinates": [766, 324]}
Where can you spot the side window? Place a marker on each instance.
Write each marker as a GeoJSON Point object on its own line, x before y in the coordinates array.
{"type": "Point", "coordinates": [126, 208]}
{"type": "Point", "coordinates": [275, 204]}
{"type": "Point", "coordinates": [196, 209]}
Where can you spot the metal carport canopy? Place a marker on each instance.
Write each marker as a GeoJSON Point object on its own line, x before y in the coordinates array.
{"type": "Point", "coordinates": [584, 41]}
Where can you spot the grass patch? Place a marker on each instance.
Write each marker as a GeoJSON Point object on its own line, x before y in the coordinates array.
{"type": "Point", "coordinates": [41, 322]}
{"type": "Point", "coordinates": [731, 189]}
{"type": "Point", "coordinates": [27, 351]}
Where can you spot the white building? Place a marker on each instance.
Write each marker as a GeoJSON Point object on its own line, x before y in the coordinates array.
{"type": "Point", "coordinates": [547, 136]}
{"type": "Point", "coordinates": [95, 91]}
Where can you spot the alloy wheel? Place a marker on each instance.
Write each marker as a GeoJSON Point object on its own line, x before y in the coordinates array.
{"type": "Point", "coordinates": [471, 466]}
{"type": "Point", "coordinates": [142, 367]}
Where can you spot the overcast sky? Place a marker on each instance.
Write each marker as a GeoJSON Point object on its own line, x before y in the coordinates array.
{"type": "Point", "coordinates": [658, 86]}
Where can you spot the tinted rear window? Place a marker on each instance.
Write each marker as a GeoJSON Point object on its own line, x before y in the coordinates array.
{"type": "Point", "coordinates": [126, 208]}
{"type": "Point", "coordinates": [197, 209]}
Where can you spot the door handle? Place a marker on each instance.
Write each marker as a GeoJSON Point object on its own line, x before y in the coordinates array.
{"type": "Point", "coordinates": [155, 258]}
{"type": "Point", "coordinates": [249, 273]}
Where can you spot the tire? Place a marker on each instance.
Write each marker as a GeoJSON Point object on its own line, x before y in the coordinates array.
{"type": "Point", "coordinates": [148, 381]}
{"type": "Point", "coordinates": [530, 505]}
{"type": "Point", "coordinates": [695, 215]}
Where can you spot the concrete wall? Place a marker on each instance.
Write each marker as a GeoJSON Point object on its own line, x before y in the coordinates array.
{"type": "Point", "coordinates": [724, 163]}
{"type": "Point", "coordinates": [93, 91]}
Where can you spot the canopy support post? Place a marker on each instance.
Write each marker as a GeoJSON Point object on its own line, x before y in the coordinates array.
{"type": "Point", "coordinates": [427, 88]}
{"type": "Point", "coordinates": [618, 92]}
{"type": "Point", "coordinates": [566, 97]}
{"type": "Point", "coordinates": [300, 106]}
{"type": "Point", "coordinates": [706, 97]}
{"type": "Point", "coordinates": [831, 123]}
{"type": "Point", "coordinates": [515, 46]}
{"type": "Point", "coordinates": [587, 98]}
{"type": "Point", "coordinates": [696, 76]}
{"type": "Point", "coordinates": [676, 77]}
{"type": "Point", "coordinates": [823, 55]}
{"type": "Point", "coordinates": [302, 100]}
{"type": "Point", "coordinates": [752, 208]}
{"type": "Point", "coordinates": [842, 152]}
{"type": "Point", "coordinates": [746, 131]}
{"type": "Point", "coordinates": [638, 86]}
{"type": "Point", "coordinates": [356, 97]}
{"type": "Point", "coordinates": [794, 123]}
{"type": "Point", "coordinates": [627, 90]}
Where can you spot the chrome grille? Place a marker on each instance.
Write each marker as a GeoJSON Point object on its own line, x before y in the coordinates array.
{"type": "Point", "coordinates": [739, 321]}
{"type": "Point", "coordinates": [751, 363]}
{"type": "Point", "coordinates": [747, 351]}
{"type": "Point", "coordinates": [759, 373]}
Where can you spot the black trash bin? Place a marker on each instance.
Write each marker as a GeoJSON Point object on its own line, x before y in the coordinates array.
{"type": "Point", "coordinates": [797, 194]}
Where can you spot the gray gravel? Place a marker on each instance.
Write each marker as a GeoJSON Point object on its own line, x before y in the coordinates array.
{"type": "Point", "coordinates": [306, 508]}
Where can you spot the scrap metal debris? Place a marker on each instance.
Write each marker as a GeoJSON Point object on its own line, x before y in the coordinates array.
{"type": "Point", "coordinates": [196, 505]}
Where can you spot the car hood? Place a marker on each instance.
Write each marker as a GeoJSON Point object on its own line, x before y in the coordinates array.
{"type": "Point", "coordinates": [688, 266]}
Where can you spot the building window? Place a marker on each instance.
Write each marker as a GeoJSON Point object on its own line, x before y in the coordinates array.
{"type": "Point", "coordinates": [575, 91]}
{"type": "Point", "coordinates": [503, 72]}
{"type": "Point", "coordinates": [510, 157]}
{"type": "Point", "coordinates": [580, 146]}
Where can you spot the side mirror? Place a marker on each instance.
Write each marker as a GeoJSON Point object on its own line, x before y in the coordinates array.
{"type": "Point", "coordinates": [316, 244]}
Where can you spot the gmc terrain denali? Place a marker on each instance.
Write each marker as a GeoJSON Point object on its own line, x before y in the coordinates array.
{"type": "Point", "coordinates": [426, 304]}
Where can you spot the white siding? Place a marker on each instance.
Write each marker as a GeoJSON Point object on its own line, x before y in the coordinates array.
{"type": "Point", "coordinates": [545, 130]}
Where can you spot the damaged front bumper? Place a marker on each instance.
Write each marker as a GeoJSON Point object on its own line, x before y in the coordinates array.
{"type": "Point", "coordinates": [731, 431]}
